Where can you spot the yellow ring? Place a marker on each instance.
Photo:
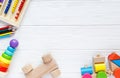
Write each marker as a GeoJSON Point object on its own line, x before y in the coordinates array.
{"type": "Point", "coordinates": [4, 60]}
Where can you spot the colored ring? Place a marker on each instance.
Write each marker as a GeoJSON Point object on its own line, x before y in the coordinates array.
{"type": "Point", "coordinates": [6, 56]}
{"type": "Point", "coordinates": [11, 49]}
{"type": "Point", "coordinates": [8, 53]}
{"type": "Point", "coordinates": [4, 60]}
{"type": "Point", "coordinates": [4, 64]}
{"type": "Point", "coordinates": [3, 69]}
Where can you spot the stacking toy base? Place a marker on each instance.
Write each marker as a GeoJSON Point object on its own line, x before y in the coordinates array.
{"type": "Point", "coordinates": [3, 74]}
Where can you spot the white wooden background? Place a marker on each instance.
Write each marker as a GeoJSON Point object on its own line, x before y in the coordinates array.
{"type": "Point", "coordinates": [72, 30]}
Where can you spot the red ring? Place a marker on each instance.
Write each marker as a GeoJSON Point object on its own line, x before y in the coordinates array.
{"type": "Point", "coordinates": [3, 69]}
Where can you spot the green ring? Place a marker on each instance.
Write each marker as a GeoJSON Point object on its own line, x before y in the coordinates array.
{"type": "Point", "coordinates": [8, 53]}
{"type": "Point", "coordinates": [6, 56]}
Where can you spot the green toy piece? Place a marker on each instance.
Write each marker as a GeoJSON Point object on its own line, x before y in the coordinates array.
{"type": "Point", "coordinates": [101, 74]}
{"type": "Point", "coordinates": [6, 56]}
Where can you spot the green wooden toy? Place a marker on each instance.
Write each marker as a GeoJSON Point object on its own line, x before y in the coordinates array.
{"type": "Point", "coordinates": [101, 74]}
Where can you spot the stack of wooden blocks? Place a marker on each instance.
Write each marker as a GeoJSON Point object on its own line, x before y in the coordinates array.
{"type": "Point", "coordinates": [100, 66]}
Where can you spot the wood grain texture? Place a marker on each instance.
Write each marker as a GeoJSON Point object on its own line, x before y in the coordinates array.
{"type": "Point", "coordinates": [72, 30]}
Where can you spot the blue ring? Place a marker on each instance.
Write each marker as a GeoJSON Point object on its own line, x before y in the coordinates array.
{"type": "Point", "coordinates": [8, 53]}
{"type": "Point", "coordinates": [11, 49]}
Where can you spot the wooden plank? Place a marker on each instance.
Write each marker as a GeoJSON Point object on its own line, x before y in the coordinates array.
{"type": "Point", "coordinates": [67, 37]}
{"type": "Point", "coordinates": [73, 13]}
{"type": "Point", "coordinates": [73, 31]}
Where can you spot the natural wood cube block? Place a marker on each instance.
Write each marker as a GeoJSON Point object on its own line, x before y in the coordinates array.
{"type": "Point", "coordinates": [26, 69]}
{"type": "Point", "coordinates": [98, 59]}
{"type": "Point", "coordinates": [55, 73]}
{"type": "Point", "coordinates": [47, 59]}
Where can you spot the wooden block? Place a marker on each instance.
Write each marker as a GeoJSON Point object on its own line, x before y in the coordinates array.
{"type": "Point", "coordinates": [101, 74]}
{"type": "Point", "coordinates": [2, 74]}
{"type": "Point", "coordinates": [26, 69]}
{"type": "Point", "coordinates": [94, 75]}
{"type": "Point", "coordinates": [100, 67]}
{"type": "Point", "coordinates": [43, 69]}
{"type": "Point", "coordinates": [109, 72]}
{"type": "Point", "coordinates": [86, 69]}
{"type": "Point", "coordinates": [47, 59]}
{"type": "Point", "coordinates": [112, 66]}
{"type": "Point", "coordinates": [117, 62]}
{"type": "Point", "coordinates": [55, 73]}
{"type": "Point", "coordinates": [113, 56]}
{"type": "Point", "coordinates": [98, 59]}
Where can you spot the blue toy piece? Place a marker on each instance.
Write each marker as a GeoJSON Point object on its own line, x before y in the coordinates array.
{"type": "Point", "coordinates": [85, 70]}
{"type": "Point", "coordinates": [8, 53]}
{"type": "Point", "coordinates": [117, 62]}
{"type": "Point", "coordinates": [11, 49]}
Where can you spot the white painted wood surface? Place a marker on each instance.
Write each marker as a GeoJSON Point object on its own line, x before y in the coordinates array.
{"type": "Point", "coordinates": [72, 30]}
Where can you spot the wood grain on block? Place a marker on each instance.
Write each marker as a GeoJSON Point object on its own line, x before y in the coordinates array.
{"type": "Point", "coordinates": [112, 66]}
{"type": "Point", "coordinates": [109, 72]}
{"type": "Point", "coordinates": [55, 73]}
{"type": "Point", "coordinates": [98, 59]}
{"type": "Point", "coordinates": [94, 75]}
{"type": "Point", "coordinates": [47, 59]}
{"type": "Point", "coordinates": [26, 69]}
{"type": "Point", "coordinates": [2, 74]}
